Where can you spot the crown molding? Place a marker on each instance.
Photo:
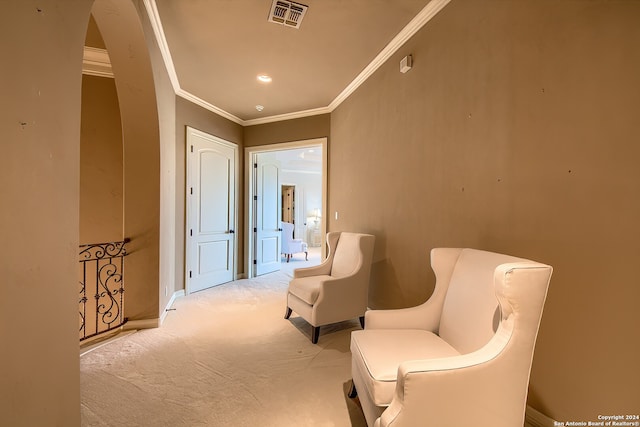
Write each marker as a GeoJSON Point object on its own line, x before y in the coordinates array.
{"type": "Point", "coordinates": [204, 104]}
{"type": "Point", "coordinates": [304, 172]}
{"type": "Point", "coordinates": [287, 116]}
{"type": "Point", "coordinates": [424, 16]}
{"type": "Point", "coordinates": [96, 62]}
{"type": "Point", "coordinates": [419, 21]}
{"type": "Point", "coordinates": [158, 31]}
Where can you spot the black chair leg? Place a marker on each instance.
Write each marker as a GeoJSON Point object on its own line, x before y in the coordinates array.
{"type": "Point", "coordinates": [287, 313]}
{"type": "Point", "coordinates": [362, 321]}
{"type": "Point", "coordinates": [353, 393]}
{"type": "Point", "coordinates": [315, 333]}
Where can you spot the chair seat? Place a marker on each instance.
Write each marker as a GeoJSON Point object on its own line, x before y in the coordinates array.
{"type": "Point", "coordinates": [307, 288]}
{"type": "Point", "coordinates": [377, 354]}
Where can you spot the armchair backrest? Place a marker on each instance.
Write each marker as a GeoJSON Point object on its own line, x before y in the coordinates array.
{"type": "Point", "coordinates": [287, 236]}
{"type": "Point", "coordinates": [471, 313]}
{"type": "Point", "coordinates": [353, 252]}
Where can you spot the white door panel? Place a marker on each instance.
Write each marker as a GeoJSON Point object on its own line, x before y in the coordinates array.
{"type": "Point", "coordinates": [210, 246]}
{"type": "Point", "coordinates": [268, 205]}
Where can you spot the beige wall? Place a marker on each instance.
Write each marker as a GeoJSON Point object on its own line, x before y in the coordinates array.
{"type": "Point", "coordinates": [39, 193]}
{"type": "Point", "coordinates": [516, 131]}
{"type": "Point", "coordinates": [166, 113]}
{"type": "Point", "coordinates": [93, 37]}
{"type": "Point", "coordinates": [288, 130]}
{"type": "Point", "coordinates": [101, 203]}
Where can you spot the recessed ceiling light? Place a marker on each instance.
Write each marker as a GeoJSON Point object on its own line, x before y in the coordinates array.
{"type": "Point", "coordinates": [264, 78]}
{"type": "Point", "coordinates": [259, 107]}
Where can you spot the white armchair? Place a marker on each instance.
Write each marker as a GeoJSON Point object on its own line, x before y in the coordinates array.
{"type": "Point", "coordinates": [337, 289]}
{"type": "Point", "coordinates": [290, 245]}
{"type": "Point", "coordinates": [461, 358]}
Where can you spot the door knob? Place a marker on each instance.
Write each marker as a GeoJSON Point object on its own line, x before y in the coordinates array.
{"type": "Point", "coordinates": [231, 231]}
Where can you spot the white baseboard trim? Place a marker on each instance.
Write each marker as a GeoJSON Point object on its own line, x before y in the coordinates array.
{"type": "Point", "coordinates": [176, 294]}
{"type": "Point", "coordinates": [141, 324]}
{"type": "Point", "coordinates": [116, 334]}
{"type": "Point", "coordinates": [153, 323]}
{"type": "Point", "coordinates": [535, 418]}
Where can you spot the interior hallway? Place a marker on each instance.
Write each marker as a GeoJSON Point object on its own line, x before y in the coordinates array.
{"type": "Point", "coordinates": [224, 356]}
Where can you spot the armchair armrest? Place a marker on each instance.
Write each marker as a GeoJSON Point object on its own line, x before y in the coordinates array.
{"type": "Point", "coordinates": [344, 297]}
{"type": "Point", "coordinates": [337, 287]}
{"type": "Point", "coordinates": [323, 269]}
{"type": "Point", "coordinates": [426, 315]}
{"type": "Point", "coordinates": [418, 317]}
{"type": "Point", "coordinates": [443, 383]}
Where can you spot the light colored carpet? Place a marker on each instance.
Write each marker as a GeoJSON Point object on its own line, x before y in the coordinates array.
{"type": "Point", "coordinates": [224, 357]}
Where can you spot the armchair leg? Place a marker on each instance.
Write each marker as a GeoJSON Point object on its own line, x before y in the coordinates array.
{"type": "Point", "coordinates": [353, 393]}
{"type": "Point", "coordinates": [315, 333]}
{"type": "Point", "coordinates": [287, 313]}
{"type": "Point", "coordinates": [362, 321]}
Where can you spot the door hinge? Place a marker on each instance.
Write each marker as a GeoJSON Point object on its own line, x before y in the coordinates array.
{"type": "Point", "coordinates": [191, 232]}
{"type": "Point", "coordinates": [190, 274]}
{"type": "Point", "coordinates": [255, 229]}
{"type": "Point", "coordinates": [192, 148]}
{"type": "Point", "coordinates": [255, 166]}
{"type": "Point", "coordinates": [255, 261]}
{"type": "Point", "coordinates": [255, 197]}
{"type": "Point", "coordinates": [191, 190]}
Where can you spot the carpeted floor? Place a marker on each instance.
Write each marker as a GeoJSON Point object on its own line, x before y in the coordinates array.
{"type": "Point", "coordinates": [224, 357]}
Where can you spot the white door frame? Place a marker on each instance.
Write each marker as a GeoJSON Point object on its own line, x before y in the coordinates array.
{"type": "Point", "coordinates": [250, 153]}
{"type": "Point", "coordinates": [236, 187]}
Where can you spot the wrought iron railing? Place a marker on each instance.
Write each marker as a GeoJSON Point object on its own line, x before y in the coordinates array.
{"type": "Point", "coordinates": [101, 298]}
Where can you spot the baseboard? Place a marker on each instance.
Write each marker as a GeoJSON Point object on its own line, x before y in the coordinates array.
{"type": "Point", "coordinates": [176, 294]}
{"type": "Point", "coordinates": [104, 339]}
{"type": "Point", "coordinates": [535, 418]}
{"type": "Point", "coordinates": [153, 323]}
{"type": "Point", "coordinates": [141, 324]}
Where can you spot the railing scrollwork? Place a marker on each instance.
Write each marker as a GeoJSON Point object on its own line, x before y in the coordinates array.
{"type": "Point", "coordinates": [101, 297]}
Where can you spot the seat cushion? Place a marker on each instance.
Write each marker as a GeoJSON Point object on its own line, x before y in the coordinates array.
{"type": "Point", "coordinates": [377, 354]}
{"type": "Point", "coordinates": [307, 288]}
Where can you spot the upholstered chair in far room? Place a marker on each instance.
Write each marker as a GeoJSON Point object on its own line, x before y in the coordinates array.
{"type": "Point", "coordinates": [463, 357]}
{"type": "Point", "coordinates": [337, 289]}
{"type": "Point", "coordinates": [290, 245]}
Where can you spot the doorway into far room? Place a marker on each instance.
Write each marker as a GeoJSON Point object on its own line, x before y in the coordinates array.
{"type": "Point", "coordinates": [301, 195]}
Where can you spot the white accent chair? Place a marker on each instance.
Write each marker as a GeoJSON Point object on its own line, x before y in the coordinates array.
{"type": "Point", "coordinates": [337, 289]}
{"type": "Point", "coordinates": [290, 245]}
{"type": "Point", "coordinates": [463, 357]}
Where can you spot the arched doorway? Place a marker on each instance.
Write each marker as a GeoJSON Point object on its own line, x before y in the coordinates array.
{"type": "Point", "coordinates": [122, 31]}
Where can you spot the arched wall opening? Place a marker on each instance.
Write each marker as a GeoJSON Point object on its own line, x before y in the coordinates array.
{"type": "Point", "coordinates": [122, 32]}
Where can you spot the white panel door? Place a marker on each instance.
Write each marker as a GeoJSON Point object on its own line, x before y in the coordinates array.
{"type": "Point", "coordinates": [268, 214]}
{"type": "Point", "coordinates": [210, 239]}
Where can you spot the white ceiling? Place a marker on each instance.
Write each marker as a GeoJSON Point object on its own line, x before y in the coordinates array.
{"type": "Point", "coordinates": [215, 49]}
{"type": "Point", "coordinates": [308, 160]}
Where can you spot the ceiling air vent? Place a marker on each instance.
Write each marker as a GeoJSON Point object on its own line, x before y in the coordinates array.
{"type": "Point", "coordinates": [287, 13]}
